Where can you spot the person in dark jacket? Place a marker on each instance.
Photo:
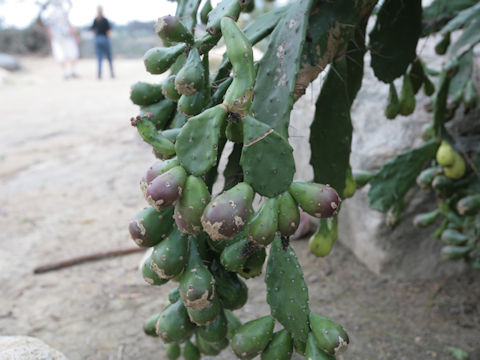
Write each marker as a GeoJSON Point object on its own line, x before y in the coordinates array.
{"type": "Point", "coordinates": [101, 27]}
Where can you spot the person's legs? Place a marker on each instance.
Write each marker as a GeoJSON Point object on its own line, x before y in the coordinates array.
{"type": "Point", "coordinates": [108, 52]}
{"type": "Point", "coordinates": [99, 52]}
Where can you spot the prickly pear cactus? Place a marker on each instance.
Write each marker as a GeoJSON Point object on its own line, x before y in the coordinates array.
{"type": "Point", "coordinates": [208, 241]}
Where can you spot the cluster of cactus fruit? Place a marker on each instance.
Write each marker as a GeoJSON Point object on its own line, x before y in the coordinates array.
{"type": "Point", "coordinates": [206, 243]}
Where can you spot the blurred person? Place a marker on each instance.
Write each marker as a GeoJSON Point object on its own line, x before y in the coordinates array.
{"type": "Point", "coordinates": [101, 27]}
{"type": "Point", "coordinates": [62, 35]}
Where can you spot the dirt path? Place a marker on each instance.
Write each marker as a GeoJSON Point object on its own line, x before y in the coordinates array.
{"type": "Point", "coordinates": [69, 170]}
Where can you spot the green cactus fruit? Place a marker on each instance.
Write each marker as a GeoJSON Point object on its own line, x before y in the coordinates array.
{"type": "Point", "coordinates": [173, 295]}
{"type": "Point", "coordinates": [452, 252]}
{"type": "Point", "coordinates": [234, 257]}
{"type": "Point", "coordinates": [280, 348]}
{"type": "Point", "coordinates": [142, 93]}
{"type": "Point", "coordinates": [362, 177]}
{"type": "Point", "coordinates": [234, 131]}
{"type": "Point", "coordinates": [173, 325]}
{"type": "Point", "coordinates": [171, 134]}
{"type": "Point", "coordinates": [150, 276]}
{"type": "Point", "coordinates": [190, 351]}
{"type": "Point", "coordinates": [443, 184]}
{"type": "Point", "coordinates": [168, 88]}
{"type": "Point", "coordinates": [178, 121]}
{"type": "Point", "coordinates": [453, 237]}
{"type": "Point", "coordinates": [166, 188]}
{"type": "Point", "coordinates": [216, 330]}
{"type": "Point", "coordinates": [189, 207]}
{"type": "Point", "coordinates": [147, 130]}
{"type": "Point", "coordinates": [458, 169]}
{"type": "Point", "coordinates": [249, 7]}
{"type": "Point", "coordinates": [162, 112]}
{"type": "Point", "coordinates": [252, 338]}
{"type": "Point", "coordinates": [171, 29]}
{"type": "Point", "coordinates": [227, 213]}
{"type": "Point", "coordinates": [157, 60]}
{"type": "Point", "coordinates": [470, 95]}
{"type": "Point", "coordinates": [299, 346]}
{"type": "Point", "coordinates": [426, 219]}
{"type": "Point", "coordinates": [226, 8]}
{"type": "Point", "coordinates": [233, 324]}
{"type": "Point", "coordinates": [267, 158]}
{"type": "Point", "coordinates": [206, 42]}
{"type": "Point", "coordinates": [170, 256]}
{"type": "Point", "coordinates": [149, 325]}
{"type": "Point", "coordinates": [158, 168]}
{"type": "Point", "coordinates": [428, 87]}
{"type": "Point", "coordinates": [192, 105]}
{"type": "Point", "coordinates": [393, 105]}
{"type": "Point", "coordinates": [238, 98]}
{"type": "Point", "coordinates": [321, 242]}
{"type": "Point", "coordinates": [417, 74]}
{"type": "Point", "coordinates": [232, 291]}
{"type": "Point", "coordinates": [318, 200]}
{"type": "Point", "coordinates": [445, 154]}
{"type": "Point", "coordinates": [198, 142]}
{"type": "Point", "coordinates": [207, 7]}
{"type": "Point", "coordinates": [288, 214]}
{"type": "Point", "coordinates": [350, 185]}
{"type": "Point", "coordinates": [428, 132]}
{"type": "Point", "coordinates": [210, 348]}
{"type": "Point", "coordinates": [197, 285]}
{"type": "Point", "coordinates": [207, 315]}
{"type": "Point", "coordinates": [263, 225]}
{"type": "Point", "coordinates": [407, 97]}
{"type": "Point", "coordinates": [172, 351]}
{"type": "Point", "coordinates": [442, 46]}
{"type": "Point", "coordinates": [329, 336]}
{"type": "Point", "coordinates": [425, 178]}
{"type": "Point", "coordinates": [219, 245]}
{"type": "Point", "coordinates": [254, 264]}
{"type": "Point", "coordinates": [312, 352]}
{"type": "Point", "coordinates": [149, 226]}
{"type": "Point", "coordinates": [469, 205]}
{"type": "Point", "coordinates": [191, 77]}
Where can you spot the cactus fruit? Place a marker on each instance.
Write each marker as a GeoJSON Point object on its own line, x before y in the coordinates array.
{"type": "Point", "coordinates": [150, 226]}
{"type": "Point", "coordinates": [426, 219]}
{"type": "Point", "coordinates": [407, 97]}
{"type": "Point", "coordinates": [198, 142]}
{"type": "Point", "coordinates": [233, 324]}
{"type": "Point", "coordinates": [197, 283]}
{"type": "Point", "coordinates": [192, 105]}
{"type": "Point", "coordinates": [191, 77]}
{"type": "Point", "coordinates": [299, 346]}
{"type": "Point", "coordinates": [173, 324]}
{"type": "Point", "coordinates": [470, 95]}
{"type": "Point", "coordinates": [170, 29]}
{"type": "Point", "coordinates": [252, 338]}
{"type": "Point", "coordinates": [393, 105]}
{"type": "Point", "coordinates": [232, 291]}
{"type": "Point", "coordinates": [469, 205]}
{"type": "Point", "coordinates": [150, 135]}
{"type": "Point", "coordinates": [215, 330]}
{"type": "Point", "coordinates": [173, 351]}
{"type": "Point", "coordinates": [312, 352]}
{"type": "Point", "coordinates": [263, 225]}
{"type": "Point", "coordinates": [442, 46]}
{"type": "Point", "coordinates": [208, 348]}
{"type": "Point", "coordinates": [267, 159]}
{"type": "Point", "coordinates": [445, 154]}
{"type": "Point", "coordinates": [453, 237]}
{"type": "Point", "coordinates": [161, 111]}
{"type": "Point", "coordinates": [150, 276]}
{"type": "Point", "coordinates": [226, 8]}
{"type": "Point", "coordinates": [254, 264]}
{"type": "Point", "coordinates": [318, 200]}
{"type": "Point", "coordinates": [206, 315]}
{"type": "Point", "coordinates": [227, 213]}
{"type": "Point", "coordinates": [288, 214]}
{"type": "Point", "coordinates": [425, 178]}
{"type": "Point", "coordinates": [157, 60]}
{"type": "Point", "coordinates": [362, 177]}
{"type": "Point", "coordinates": [452, 252]}
{"type": "Point", "coordinates": [350, 185]}
{"type": "Point", "coordinates": [234, 257]}
{"type": "Point", "coordinates": [189, 207]}
{"type": "Point", "coordinates": [149, 325]}
{"type": "Point", "coordinates": [457, 169]}
{"type": "Point", "coordinates": [158, 168]}
{"type": "Point", "coordinates": [165, 189]}
{"type": "Point", "coordinates": [321, 242]}
{"type": "Point", "coordinates": [170, 256]}
{"type": "Point", "coordinates": [174, 295]}
{"type": "Point", "coordinates": [190, 351]}
{"type": "Point", "coordinates": [329, 336]}
{"type": "Point", "coordinates": [168, 88]}
{"type": "Point", "coordinates": [142, 93]}
{"type": "Point", "coordinates": [280, 347]}
{"type": "Point", "coordinates": [207, 7]}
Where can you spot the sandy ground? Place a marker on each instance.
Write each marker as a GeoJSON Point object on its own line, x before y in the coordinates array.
{"type": "Point", "coordinates": [69, 169]}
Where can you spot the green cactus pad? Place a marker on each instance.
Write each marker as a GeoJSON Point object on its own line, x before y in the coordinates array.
{"type": "Point", "coordinates": [398, 22]}
{"type": "Point", "coordinates": [150, 226]}
{"type": "Point", "coordinates": [206, 8]}
{"type": "Point", "coordinates": [233, 324]}
{"type": "Point", "coordinates": [216, 330]}
{"type": "Point", "coordinates": [151, 136]}
{"type": "Point", "coordinates": [267, 159]}
{"type": "Point", "coordinates": [312, 352]}
{"type": "Point", "coordinates": [173, 295]}
{"type": "Point", "coordinates": [279, 67]}
{"type": "Point", "coordinates": [191, 77]}
{"type": "Point", "coordinates": [162, 113]}
{"type": "Point", "coordinates": [287, 293]}
{"type": "Point", "coordinates": [329, 336]}
{"type": "Point", "coordinates": [178, 120]}
{"type": "Point", "coordinates": [252, 338]}
{"type": "Point", "coordinates": [263, 225]}
{"type": "Point", "coordinates": [362, 177]}
{"type": "Point", "coordinates": [219, 93]}
{"type": "Point", "coordinates": [173, 324]}
{"type": "Point", "coordinates": [198, 142]}
{"type": "Point", "coordinates": [169, 258]}
{"type": "Point", "coordinates": [206, 315]}
{"type": "Point", "coordinates": [142, 93]}
{"type": "Point", "coordinates": [171, 29]}
{"type": "Point", "coordinates": [398, 175]}
{"type": "Point", "coordinates": [208, 348]}
{"type": "Point", "coordinates": [288, 214]}
{"type": "Point", "coordinates": [150, 276]}
{"type": "Point", "coordinates": [226, 8]}
{"type": "Point", "coordinates": [280, 348]}
{"type": "Point", "coordinates": [187, 12]}
{"type": "Point", "coordinates": [168, 88]}
{"type": "Point", "coordinates": [157, 60]}
{"type": "Point", "coordinates": [233, 172]}
{"type": "Point", "coordinates": [171, 134]}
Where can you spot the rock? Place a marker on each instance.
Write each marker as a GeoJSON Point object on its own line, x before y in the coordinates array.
{"type": "Point", "coordinates": [27, 348]}
{"type": "Point", "coordinates": [8, 62]}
